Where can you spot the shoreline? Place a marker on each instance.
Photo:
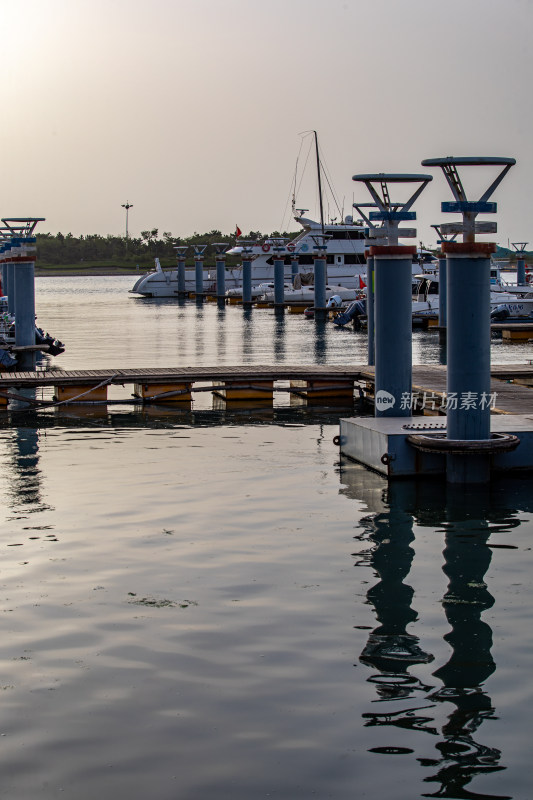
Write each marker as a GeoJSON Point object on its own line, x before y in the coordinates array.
{"type": "Point", "coordinates": [55, 272]}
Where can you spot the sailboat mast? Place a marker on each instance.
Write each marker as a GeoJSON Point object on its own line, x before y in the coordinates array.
{"type": "Point", "coordinates": [319, 182]}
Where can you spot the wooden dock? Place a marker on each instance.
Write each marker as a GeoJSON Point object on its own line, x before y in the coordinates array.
{"type": "Point", "coordinates": [511, 384]}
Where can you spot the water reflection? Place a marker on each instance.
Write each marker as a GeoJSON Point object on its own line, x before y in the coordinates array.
{"type": "Point", "coordinates": [467, 557]}
{"type": "Point", "coordinates": [279, 334]}
{"type": "Point", "coordinates": [391, 650]}
{"type": "Point", "coordinates": [247, 336]}
{"type": "Point", "coordinates": [395, 655]}
{"type": "Point", "coordinates": [321, 327]}
{"type": "Point", "coordinates": [23, 473]}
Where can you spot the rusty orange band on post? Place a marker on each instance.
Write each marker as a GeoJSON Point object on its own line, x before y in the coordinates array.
{"type": "Point", "coordinates": [393, 250]}
{"type": "Point", "coordinates": [467, 248]}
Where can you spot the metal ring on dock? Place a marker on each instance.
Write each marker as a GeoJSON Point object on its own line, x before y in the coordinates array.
{"type": "Point", "coordinates": [336, 440]}
{"type": "Point", "coordinates": [438, 443]}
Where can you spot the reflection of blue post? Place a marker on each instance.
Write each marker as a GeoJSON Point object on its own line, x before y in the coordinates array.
{"type": "Point", "coordinates": [319, 266]}
{"type": "Point", "coordinates": [24, 253]}
{"type": "Point", "coordinates": [279, 275]}
{"type": "Point", "coordinates": [247, 278]}
{"type": "Point", "coordinates": [370, 308]}
{"type": "Point", "coordinates": [199, 269]}
{"type": "Point", "coordinates": [180, 253]}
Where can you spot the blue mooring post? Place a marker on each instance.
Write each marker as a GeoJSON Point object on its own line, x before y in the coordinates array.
{"type": "Point", "coordinates": [446, 233]}
{"type": "Point", "coordinates": [247, 277]}
{"type": "Point", "coordinates": [4, 251]}
{"type": "Point", "coordinates": [295, 265]}
{"type": "Point", "coordinates": [320, 272]}
{"type": "Point", "coordinates": [221, 270]}
{"type": "Point", "coordinates": [180, 254]}
{"type": "Point", "coordinates": [23, 250]}
{"type": "Point", "coordinates": [370, 324]}
{"type": "Point", "coordinates": [393, 294]}
{"type": "Point", "coordinates": [10, 276]}
{"type": "Point", "coordinates": [443, 294]}
{"type": "Point", "coordinates": [199, 270]}
{"type": "Point", "coordinates": [520, 263]}
{"type": "Point", "coordinates": [279, 275]}
{"type": "Point", "coordinates": [468, 397]}
{"type": "Point", "coordinates": [374, 237]}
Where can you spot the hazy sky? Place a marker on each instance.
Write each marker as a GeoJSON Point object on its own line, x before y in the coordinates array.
{"type": "Point", "coordinates": [191, 110]}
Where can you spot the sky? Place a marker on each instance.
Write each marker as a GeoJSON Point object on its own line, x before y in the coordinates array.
{"type": "Point", "coordinates": [193, 110]}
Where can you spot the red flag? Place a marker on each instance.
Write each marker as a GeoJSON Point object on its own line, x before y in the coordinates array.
{"type": "Point", "coordinates": [238, 231]}
{"type": "Point", "coordinates": [362, 284]}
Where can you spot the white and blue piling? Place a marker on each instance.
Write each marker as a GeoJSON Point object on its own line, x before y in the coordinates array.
{"type": "Point", "coordinates": [520, 248]}
{"type": "Point", "coordinates": [199, 251]}
{"type": "Point", "coordinates": [9, 277]}
{"type": "Point", "coordinates": [295, 261]}
{"type": "Point", "coordinates": [392, 293]}
{"type": "Point", "coordinates": [320, 277]}
{"type": "Point", "coordinates": [462, 445]}
{"type": "Point", "coordinates": [247, 258]}
{"type": "Point", "coordinates": [23, 257]}
{"type": "Point", "coordinates": [220, 264]}
{"type": "Point", "coordinates": [181, 251]}
{"type": "Point", "coordinates": [468, 325]}
{"type": "Point", "coordinates": [279, 274]}
{"type": "Point", "coordinates": [374, 232]}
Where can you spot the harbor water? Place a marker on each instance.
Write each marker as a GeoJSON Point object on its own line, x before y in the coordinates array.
{"type": "Point", "coordinates": [206, 603]}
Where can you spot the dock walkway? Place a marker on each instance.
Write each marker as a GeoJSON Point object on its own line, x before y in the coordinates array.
{"type": "Point", "coordinates": [511, 384]}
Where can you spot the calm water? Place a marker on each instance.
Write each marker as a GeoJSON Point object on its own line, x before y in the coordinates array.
{"type": "Point", "coordinates": [202, 605]}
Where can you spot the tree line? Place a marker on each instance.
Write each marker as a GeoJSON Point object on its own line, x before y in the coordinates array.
{"type": "Point", "coordinates": [59, 248]}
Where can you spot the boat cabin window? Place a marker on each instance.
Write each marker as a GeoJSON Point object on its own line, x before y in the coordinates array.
{"type": "Point", "coordinates": [354, 258]}
{"type": "Point", "coordinates": [335, 234]}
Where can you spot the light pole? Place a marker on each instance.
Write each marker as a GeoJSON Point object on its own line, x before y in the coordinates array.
{"type": "Point", "coordinates": [127, 206]}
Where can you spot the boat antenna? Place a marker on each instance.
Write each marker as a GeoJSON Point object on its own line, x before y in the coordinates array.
{"type": "Point", "coordinates": [319, 183]}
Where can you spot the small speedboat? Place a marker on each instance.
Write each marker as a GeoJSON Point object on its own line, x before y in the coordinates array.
{"type": "Point", "coordinates": [306, 294]}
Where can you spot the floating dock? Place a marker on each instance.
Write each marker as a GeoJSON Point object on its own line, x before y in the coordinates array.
{"type": "Point", "coordinates": [510, 384]}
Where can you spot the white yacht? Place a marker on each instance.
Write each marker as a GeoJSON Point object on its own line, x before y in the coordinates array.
{"type": "Point", "coordinates": [504, 304]}
{"type": "Point", "coordinates": [345, 257]}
